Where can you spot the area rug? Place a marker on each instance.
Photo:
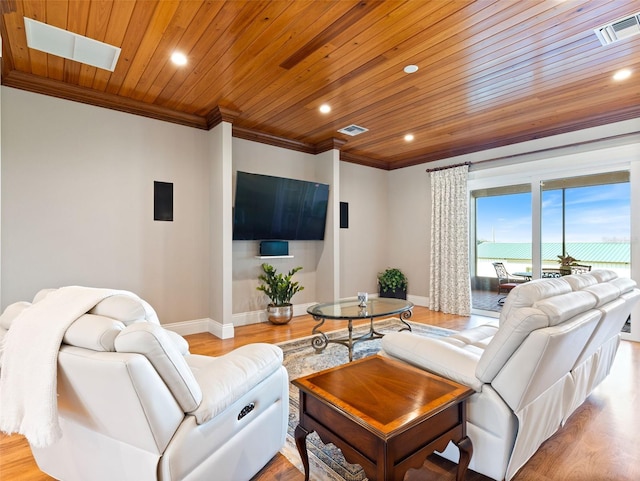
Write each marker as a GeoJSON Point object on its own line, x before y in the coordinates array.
{"type": "Point", "coordinates": [300, 359]}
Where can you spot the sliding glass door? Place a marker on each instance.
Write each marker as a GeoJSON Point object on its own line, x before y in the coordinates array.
{"type": "Point", "coordinates": [575, 223]}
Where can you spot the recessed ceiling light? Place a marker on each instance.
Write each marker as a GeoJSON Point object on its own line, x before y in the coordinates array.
{"type": "Point", "coordinates": [179, 58]}
{"type": "Point", "coordinates": [408, 137]}
{"type": "Point", "coordinates": [411, 69]}
{"type": "Point", "coordinates": [325, 108]}
{"type": "Point", "coordinates": [622, 74]}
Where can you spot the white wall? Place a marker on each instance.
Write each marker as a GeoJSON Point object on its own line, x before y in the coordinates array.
{"type": "Point", "coordinates": [77, 204]}
{"type": "Point", "coordinates": [365, 245]}
{"type": "Point", "coordinates": [409, 221]}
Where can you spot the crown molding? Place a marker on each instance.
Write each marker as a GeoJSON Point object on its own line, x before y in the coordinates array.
{"type": "Point", "coordinates": [62, 90]}
{"type": "Point", "coordinates": [329, 144]}
{"type": "Point", "coordinates": [366, 161]}
{"type": "Point", "coordinates": [264, 138]}
{"type": "Point", "coordinates": [221, 114]}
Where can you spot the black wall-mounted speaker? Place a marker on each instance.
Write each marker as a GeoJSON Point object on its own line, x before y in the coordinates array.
{"type": "Point", "coordinates": [344, 215]}
{"type": "Point", "coordinates": [163, 201]}
{"type": "Point", "coordinates": [274, 248]}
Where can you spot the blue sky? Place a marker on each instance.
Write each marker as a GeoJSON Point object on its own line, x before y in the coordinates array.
{"type": "Point", "coordinates": [593, 214]}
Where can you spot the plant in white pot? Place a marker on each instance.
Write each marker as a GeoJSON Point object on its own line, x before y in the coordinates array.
{"type": "Point", "coordinates": [279, 288]}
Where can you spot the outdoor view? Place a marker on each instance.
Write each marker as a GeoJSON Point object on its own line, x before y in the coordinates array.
{"type": "Point", "coordinates": [586, 218]}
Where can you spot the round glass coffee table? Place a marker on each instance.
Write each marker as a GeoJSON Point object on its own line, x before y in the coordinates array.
{"type": "Point", "coordinates": [350, 310]}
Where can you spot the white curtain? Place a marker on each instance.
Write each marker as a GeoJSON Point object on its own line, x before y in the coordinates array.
{"type": "Point", "coordinates": [450, 284]}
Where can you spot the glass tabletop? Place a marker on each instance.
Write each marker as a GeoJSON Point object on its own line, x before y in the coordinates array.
{"type": "Point", "coordinates": [350, 309]}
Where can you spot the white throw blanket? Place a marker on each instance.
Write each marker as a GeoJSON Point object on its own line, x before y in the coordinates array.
{"type": "Point", "coordinates": [28, 380]}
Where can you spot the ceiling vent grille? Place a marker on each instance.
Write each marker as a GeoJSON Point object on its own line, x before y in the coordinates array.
{"type": "Point", "coordinates": [616, 31]}
{"type": "Point", "coordinates": [56, 41]}
{"type": "Point", "coordinates": [352, 130]}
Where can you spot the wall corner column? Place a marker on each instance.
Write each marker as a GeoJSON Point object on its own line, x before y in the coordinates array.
{"type": "Point", "coordinates": [328, 272]}
{"type": "Point", "coordinates": [220, 230]}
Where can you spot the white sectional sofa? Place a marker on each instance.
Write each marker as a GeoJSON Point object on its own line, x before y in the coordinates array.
{"type": "Point", "coordinates": [555, 341]}
{"type": "Point", "coordinates": [134, 404]}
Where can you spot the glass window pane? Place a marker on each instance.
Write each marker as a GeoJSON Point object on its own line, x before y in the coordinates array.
{"type": "Point", "coordinates": [503, 234]}
{"type": "Point", "coordinates": [586, 221]}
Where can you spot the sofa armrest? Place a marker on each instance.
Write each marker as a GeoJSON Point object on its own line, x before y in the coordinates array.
{"type": "Point", "coordinates": [225, 379]}
{"type": "Point", "coordinates": [434, 355]}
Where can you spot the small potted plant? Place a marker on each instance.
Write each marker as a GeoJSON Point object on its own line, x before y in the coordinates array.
{"type": "Point", "coordinates": [392, 283]}
{"type": "Point", "coordinates": [566, 261]}
{"type": "Point", "coordinates": [279, 288]}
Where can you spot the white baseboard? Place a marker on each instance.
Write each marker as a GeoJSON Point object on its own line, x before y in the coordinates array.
{"type": "Point", "coordinates": [226, 330]}
{"type": "Point", "coordinates": [189, 327]}
{"type": "Point", "coordinates": [255, 317]}
{"type": "Point", "coordinates": [223, 331]}
{"type": "Point", "coordinates": [418, 300]}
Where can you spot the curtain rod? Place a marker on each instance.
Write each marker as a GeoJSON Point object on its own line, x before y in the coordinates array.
{"type": "Point", "coordinates": [448, 167]}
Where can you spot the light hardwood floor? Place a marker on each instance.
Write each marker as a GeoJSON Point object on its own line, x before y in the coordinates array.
{"type": "Point", "coordinates": [598, 443]}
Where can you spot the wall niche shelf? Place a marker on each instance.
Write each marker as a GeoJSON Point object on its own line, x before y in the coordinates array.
{"type": "Point", "coordinates": [274, 257]}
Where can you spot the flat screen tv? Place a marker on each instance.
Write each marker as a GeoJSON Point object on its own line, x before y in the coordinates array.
{"type": "Point", "coordinates": [275, 208]}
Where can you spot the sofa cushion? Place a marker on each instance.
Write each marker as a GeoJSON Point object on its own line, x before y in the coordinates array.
{"type": "Point", "coordinates": [97, 333]}
{"type": "Point", "coordinates": [41, 294]}
{"type": "Point", "coordinates": [11, 312]}
{"type": "Point", "coordinates": [154, 343]}
{"type": "Point", "coordinates": [603, 275]}
{"type": "Point", "coordinates": [580, 281]}
{"type": "Point", "coordinates": [528, 293]}
{"type": "Point", "coordinates": [605, 292]}
{"type": "Point", "coordinates": [623, 284]}
{"type": "Point", "coordinates": [226, 378]}
{"type": "Point", "coordinates": [562, 308]}
{"type": "Point", "coordinates": [124, 308]}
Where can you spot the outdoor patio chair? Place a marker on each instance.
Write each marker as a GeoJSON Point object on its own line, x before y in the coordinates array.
{"type": "Point", "coordinates": [550, 272]}
{"type": "Point", "coordinates": [505, 281]}
{"type": "Point", "coordinates": [580, 269]}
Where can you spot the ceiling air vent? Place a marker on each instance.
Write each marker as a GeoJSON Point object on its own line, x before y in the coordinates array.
{"type": "Point", "coordinates": [616, 31]}
{"type": "Point", "coordinates": [56, 41]}
{"type": "Point", "coordinates": [352, 130]}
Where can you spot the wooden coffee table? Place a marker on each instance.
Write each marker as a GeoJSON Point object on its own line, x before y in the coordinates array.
{"type": "Point", "coordinates": [384, 415]}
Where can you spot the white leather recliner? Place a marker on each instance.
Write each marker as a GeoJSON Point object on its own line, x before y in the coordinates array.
{"type": "Point", "coordinates": [134, 404]}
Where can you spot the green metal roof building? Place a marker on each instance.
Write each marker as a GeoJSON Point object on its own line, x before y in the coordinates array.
{"type": "Point", "coordinates": [600, 254]}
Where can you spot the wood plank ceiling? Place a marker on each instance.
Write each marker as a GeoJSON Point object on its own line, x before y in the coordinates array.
{"type": "Point", "coordinates": [491, 72]}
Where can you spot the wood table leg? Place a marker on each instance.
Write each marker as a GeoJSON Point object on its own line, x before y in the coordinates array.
{"type": "Point", "coordinates": [300, 436]}
{"type": "Point", "coordinates": [466, 451]}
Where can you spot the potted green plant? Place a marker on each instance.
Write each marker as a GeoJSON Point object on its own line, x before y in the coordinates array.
{"type": "Point", "coordinates": [566, 261]}
{"type": "Point", "coordinates": [392, 283]}
{"type": "Point", "coordinates": [279, 288]}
